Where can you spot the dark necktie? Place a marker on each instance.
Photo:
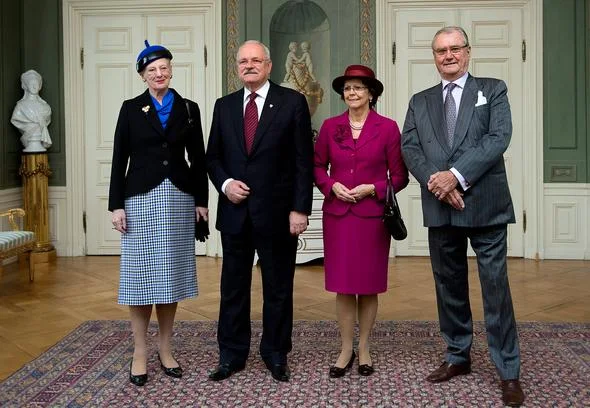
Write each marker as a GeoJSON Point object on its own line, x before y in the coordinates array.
{"type": "Point", "coordinates": [450, 113]}
{"type": "Point", "coordinates": [250, 121]}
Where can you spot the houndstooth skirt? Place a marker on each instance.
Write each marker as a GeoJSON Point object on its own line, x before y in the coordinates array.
{"type": "Point", "coordinates": [158, 250]}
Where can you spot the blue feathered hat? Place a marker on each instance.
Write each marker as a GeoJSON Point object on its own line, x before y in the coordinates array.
{"type": "Point", "coordinates": [151, 53]}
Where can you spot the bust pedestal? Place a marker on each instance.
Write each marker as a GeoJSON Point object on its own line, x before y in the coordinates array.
{"type": "Point", "coordinates": [35, 171]}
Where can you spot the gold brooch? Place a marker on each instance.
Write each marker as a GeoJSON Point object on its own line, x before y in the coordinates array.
{"type": "Point", "coordinates": [146, 108]}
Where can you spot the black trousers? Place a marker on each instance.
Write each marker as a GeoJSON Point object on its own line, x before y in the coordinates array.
{"type": "Point", "coordinates": [276, 252]}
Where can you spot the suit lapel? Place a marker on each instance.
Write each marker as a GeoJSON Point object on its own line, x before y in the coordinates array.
{"type": "Point", "coordinates": [370, 129]}
{"type": "Point", "coordinates": [272, 104]}
{"type": "Point", "coordinates": [435, 111]}
{"type": "Point", "coordinates": [237, 106]}
{"type": "Point", "coordinates": [151, 115]}
{"type": "Point", "coordinates": [468, 99]}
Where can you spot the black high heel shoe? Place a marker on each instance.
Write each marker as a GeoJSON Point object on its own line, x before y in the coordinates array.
{"type": "Point", "coordinates": [174, 372]}
{"type": "Point", "coordinates": [337, 372]}
{"type": "Point", "coordinates": [366, 370]}
{"type": "Point", "coordinates": [138, 380]}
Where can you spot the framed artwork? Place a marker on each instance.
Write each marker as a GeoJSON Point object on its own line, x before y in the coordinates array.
{"type": "Point", "coordinates": [311, 43]}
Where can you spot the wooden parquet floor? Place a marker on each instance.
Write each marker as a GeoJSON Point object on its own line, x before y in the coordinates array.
{"type": "Point", "coordinates": [34, 316]}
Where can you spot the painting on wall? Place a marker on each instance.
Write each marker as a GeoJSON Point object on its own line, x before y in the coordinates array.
{"type": "Point", "coordinates": [311, 42]}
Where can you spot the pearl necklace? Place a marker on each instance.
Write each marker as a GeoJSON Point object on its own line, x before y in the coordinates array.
{"type": "Point", "coordinates": [356, 127]}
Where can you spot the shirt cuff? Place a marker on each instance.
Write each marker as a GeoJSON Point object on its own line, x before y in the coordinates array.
{"type": "Point", "coordinates": [224, 185]}
{"type": "Point", "coordinates": [464, 184]}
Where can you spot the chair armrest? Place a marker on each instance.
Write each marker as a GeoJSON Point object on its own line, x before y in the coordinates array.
{"type": "Point", "coordinates": [18, 212]}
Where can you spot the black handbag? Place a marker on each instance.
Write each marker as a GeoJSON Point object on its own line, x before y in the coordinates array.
{"type": "Point", "coordinates": [201, 226]}
{"type": "Point", "coordinates": [392, 216]}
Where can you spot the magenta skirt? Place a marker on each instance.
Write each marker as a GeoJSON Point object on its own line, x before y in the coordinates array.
{"type": "Point", "coordinates": [356, 254]}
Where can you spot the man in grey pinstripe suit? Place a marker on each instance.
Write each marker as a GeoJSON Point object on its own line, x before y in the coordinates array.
{"type": "Point", "coordinates": [454, 138]}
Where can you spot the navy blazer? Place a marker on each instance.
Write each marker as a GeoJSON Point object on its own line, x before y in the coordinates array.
{"type": "Point", "coordinates": [279, 169]}
{"type": "Point", "coordinates": [482, 135]}
{"type": "Point", "coordinates": [154, 153]}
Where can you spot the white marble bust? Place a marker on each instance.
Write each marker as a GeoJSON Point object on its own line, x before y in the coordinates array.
{"type": "Point", "coordinates": [32, 115]}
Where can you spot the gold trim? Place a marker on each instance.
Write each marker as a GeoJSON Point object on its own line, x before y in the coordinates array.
{"type": "Point", "coordinates": [233, 30]}
{"type": "Point", "coordinates": [40, 168]}
{"type": "Point", "coordinates": [366, 33]}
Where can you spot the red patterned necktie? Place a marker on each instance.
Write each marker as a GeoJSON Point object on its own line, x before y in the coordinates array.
{"type": "Point", "coordinates": [250, 121]}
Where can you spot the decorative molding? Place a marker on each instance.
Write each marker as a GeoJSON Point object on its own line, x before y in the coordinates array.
{"type": "Point", "coordinates": [567, 216]}
{"type": "Point", "coordinates": [233, 40]}
{"type": "Point", "coordinates": [563, 173]}
{"type": "Point", "coordinates": [366, 34]}
{"type": "Point", "coordinates": [40, 168]}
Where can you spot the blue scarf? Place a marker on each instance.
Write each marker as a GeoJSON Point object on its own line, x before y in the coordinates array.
{"type": "Point", "coordinates": [165, 108]}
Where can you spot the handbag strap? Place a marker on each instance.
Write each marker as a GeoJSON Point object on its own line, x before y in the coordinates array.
{"type": "Point", "coordinates": [390, 194]}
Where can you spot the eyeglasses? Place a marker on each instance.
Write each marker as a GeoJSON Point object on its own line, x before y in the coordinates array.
{"type": "Point", "coordinates": [253, 61]}
{"type": "Point", "coordinates": [355, 88]}
{"type": "Point", "coordinates": [455, 50]}
{"type": "Point", "coordinates": [154, 71]}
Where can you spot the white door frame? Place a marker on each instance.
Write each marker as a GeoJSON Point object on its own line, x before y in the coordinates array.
{"type": "Point", "coordinates": [73, 13]}
{"type": "Point", "coordinates": [532, 98]}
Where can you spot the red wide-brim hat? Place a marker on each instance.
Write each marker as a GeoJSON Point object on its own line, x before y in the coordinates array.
{"type": "Point", "coordinates": [358, 72]}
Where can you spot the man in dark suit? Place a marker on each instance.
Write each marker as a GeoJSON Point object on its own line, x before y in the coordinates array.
{"type": "Point", "coordinates": [260, 159]}
{"type": "Point", "coordinates": [454, 138]}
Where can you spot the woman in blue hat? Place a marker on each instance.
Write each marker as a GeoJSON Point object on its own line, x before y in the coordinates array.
{"type": "Point", "coordinates": [154, 197]}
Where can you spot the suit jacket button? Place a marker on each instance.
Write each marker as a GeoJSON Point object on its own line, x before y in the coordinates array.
{"type": "Point", "coordinates": [164, 144]}
{"type": "Point", "coordinates": [165, 162]}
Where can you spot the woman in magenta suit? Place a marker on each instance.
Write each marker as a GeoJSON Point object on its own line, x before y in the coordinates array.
{"type": "Point", "coordinates": [354, 153]}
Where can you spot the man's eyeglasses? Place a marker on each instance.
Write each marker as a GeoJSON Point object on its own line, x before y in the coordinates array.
{"type": "Point", "coordinates": [253, 61]}
{"type": "Point", "coordinates": [355, 88]}
{"type": "Point", "coordinates": [455, 50]}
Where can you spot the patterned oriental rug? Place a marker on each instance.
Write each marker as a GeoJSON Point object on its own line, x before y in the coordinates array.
{"type": "Point", "coordinates": [90, 367]}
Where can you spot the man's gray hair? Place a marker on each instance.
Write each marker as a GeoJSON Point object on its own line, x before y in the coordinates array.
{"type": "Point", "coordinates": [264, 47]}
{"type": "Point", "coordinates": [449, 30]}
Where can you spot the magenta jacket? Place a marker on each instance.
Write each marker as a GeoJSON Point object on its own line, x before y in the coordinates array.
{"type": "Point", "coordinates": [364, 161]}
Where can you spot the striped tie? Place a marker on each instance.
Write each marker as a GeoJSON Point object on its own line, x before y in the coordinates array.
{"type": "Point", "coordinates": [250, 121]}
{"type": "Point", "coordinates": [450, 113]}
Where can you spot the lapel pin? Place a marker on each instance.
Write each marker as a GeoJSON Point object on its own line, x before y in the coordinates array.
{"type": "Point", "coordinates": [145, 109]}
{"type": "Point", "coordinates": [271, 105]}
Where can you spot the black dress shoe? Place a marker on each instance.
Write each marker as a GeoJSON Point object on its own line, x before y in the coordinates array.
{"type": "Point", "coordinates": [337, 372]}
{"type": "Point", "coordinates": [138, 380]}
{"type": "Point", "coordinates": [366, 370]}
{"type": "Point", "coordinates": [280, 372]}
{"type": "Point", "coordinates": [224, 371]}
{"type": "Point", "coordinates": [174, 372]}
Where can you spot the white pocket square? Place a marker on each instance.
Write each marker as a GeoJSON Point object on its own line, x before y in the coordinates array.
{"type": "Point", "coordinates": [481, 100]}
